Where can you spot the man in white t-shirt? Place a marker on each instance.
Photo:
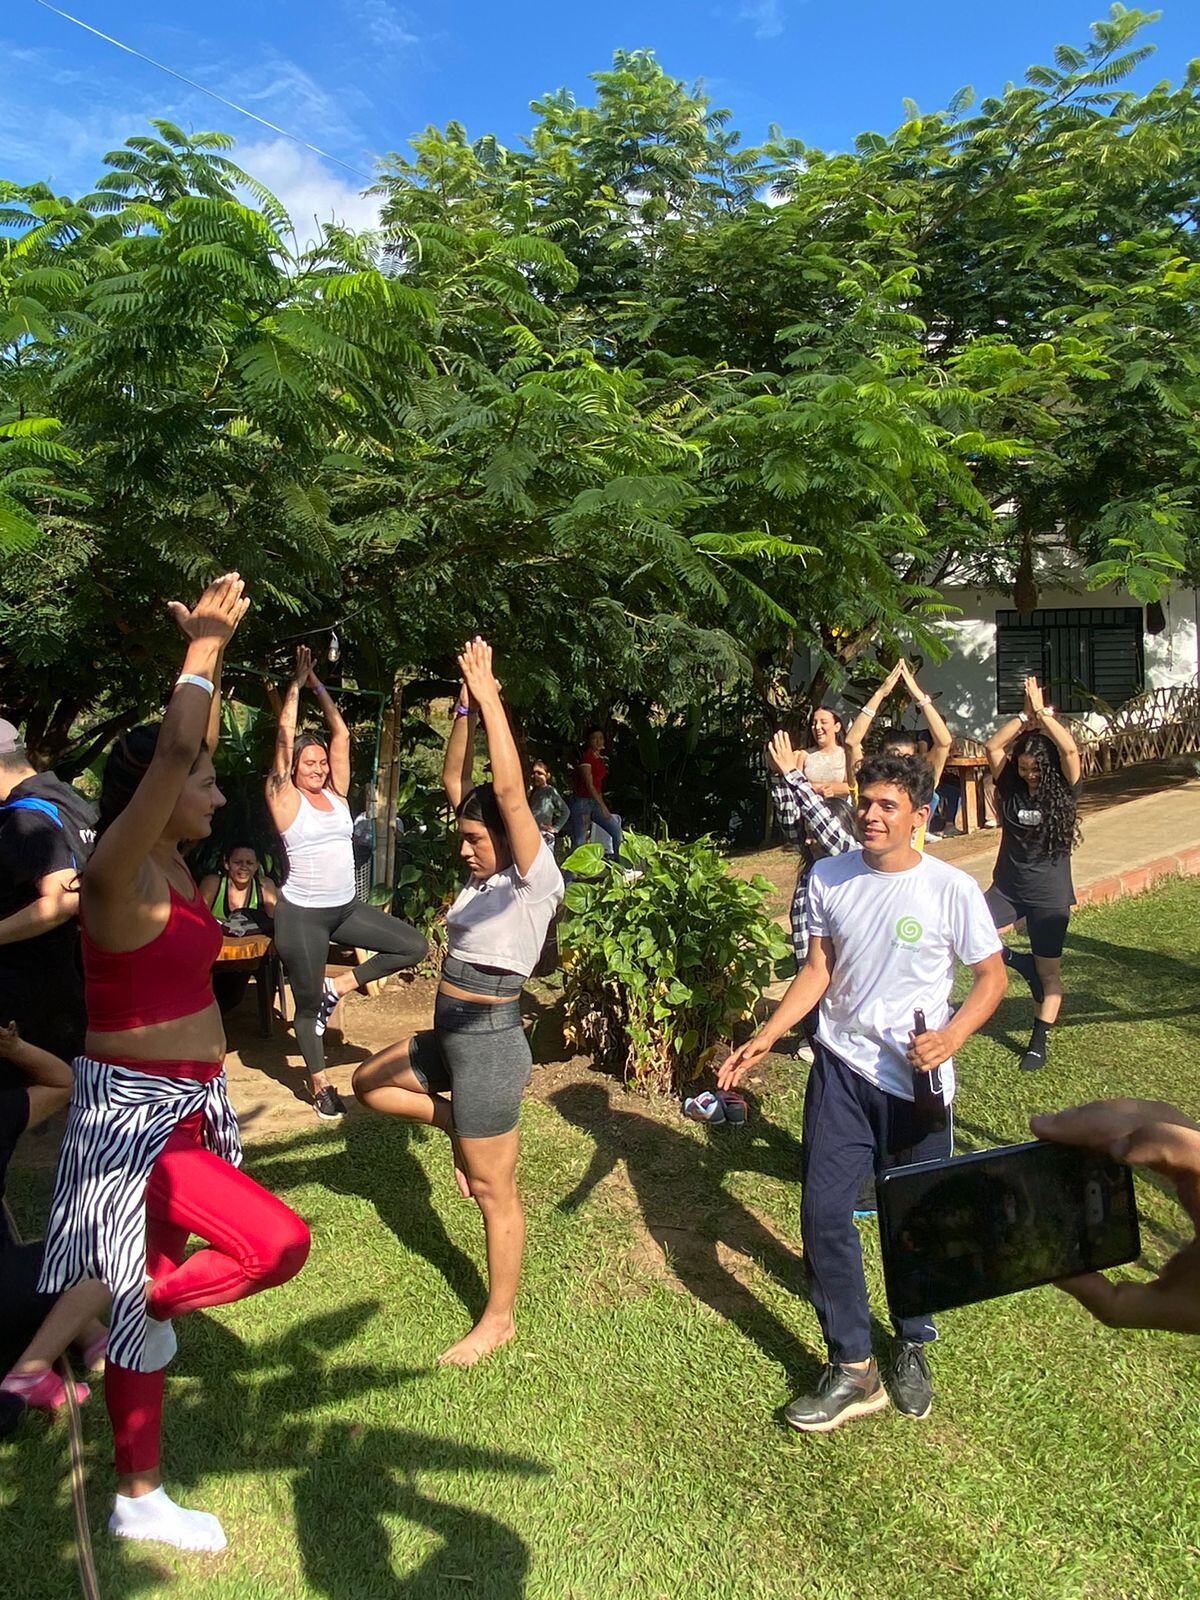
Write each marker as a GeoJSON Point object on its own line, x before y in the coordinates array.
{"type": "Point", "coordinates": [886, 925]}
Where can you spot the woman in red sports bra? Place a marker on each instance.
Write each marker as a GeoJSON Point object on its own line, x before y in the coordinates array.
{"type": "Point", "coordinates": [151, 1151]}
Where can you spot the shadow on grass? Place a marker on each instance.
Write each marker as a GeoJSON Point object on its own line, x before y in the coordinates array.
{"type": "Point", "coordinates": [265, 1408]}
{"type": "Point", "coordinates": [678, 1184]}
{"type": "Point", "coordinates": [373, 1160]}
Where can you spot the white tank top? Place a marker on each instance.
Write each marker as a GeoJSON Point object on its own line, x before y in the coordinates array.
{"type": "Point", "coordinates": [320, 855]}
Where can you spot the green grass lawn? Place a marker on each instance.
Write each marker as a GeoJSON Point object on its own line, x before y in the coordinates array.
{"type": "Point", "coordinates": [629, 1444]}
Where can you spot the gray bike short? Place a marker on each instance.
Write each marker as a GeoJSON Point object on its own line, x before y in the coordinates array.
{"type": "Point", "coordinates": [479, 1054]}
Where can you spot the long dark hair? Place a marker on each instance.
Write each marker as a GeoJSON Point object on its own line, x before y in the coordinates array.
{"type": "Point", "coordinates": [1055, 798]}
{"type": "Point", "coordinates": [480, 805]}
{"type": "Point", "coordinates": [126, 766]}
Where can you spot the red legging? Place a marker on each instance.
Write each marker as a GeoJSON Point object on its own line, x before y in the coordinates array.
{"type": "Point", "coordinates": [255, 1242]}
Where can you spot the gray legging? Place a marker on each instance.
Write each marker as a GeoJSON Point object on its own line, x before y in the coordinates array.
{"type": "Point", "coordinates": [303, 935]}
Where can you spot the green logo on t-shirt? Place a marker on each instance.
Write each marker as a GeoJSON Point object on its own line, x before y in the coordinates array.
{"type": "Point", "coordinates": [909, 930]}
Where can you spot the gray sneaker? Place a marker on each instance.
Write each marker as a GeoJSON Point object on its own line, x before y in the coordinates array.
{"type": "Point", "coordinates": [841, 1394]}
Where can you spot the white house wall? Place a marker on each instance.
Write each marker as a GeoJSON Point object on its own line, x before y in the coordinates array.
{"type": "Point", "coordinates": [965, 682]}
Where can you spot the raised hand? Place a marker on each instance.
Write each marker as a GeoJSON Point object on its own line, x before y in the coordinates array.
{"type": "Point", "coordinates": [475, 664]}
{"type": "Point", "coordinates": [304, 665]}
{"type": "Point", "coordinates": [9, 1038]}
{"type": "Point", "coordinates": [1035, 702]}
{"type": "Point", "coordinates": [781, 757]}
{"type": "Point", "coordinates": [217, 612]}
{"type": "Point", "coordinates": [1156, 1135]}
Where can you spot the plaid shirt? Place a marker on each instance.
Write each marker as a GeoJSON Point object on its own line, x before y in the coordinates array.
{"type": "Point", "coordinates": [802, 814]}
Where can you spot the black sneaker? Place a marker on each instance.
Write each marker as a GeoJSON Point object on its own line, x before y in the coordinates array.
{"type": "Point", "coordinates": [909, 1381]}
{"type": "Point", "coordinates": [327, 1103]}
{"type": "Point", "coordinates": [1032, 1061]}
{"type": "Point", "coordinates": [842, 1393]}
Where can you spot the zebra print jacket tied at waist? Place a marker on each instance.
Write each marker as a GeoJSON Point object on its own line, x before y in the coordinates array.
{"type": "Point", "coordinates": [120, 1120]}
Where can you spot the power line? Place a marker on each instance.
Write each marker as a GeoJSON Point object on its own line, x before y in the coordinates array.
{"type": "Point", "coordinates": [200, 88]}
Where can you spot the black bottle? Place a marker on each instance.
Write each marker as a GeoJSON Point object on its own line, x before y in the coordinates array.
{"type": "Point", "coordinates": [928, 1094]}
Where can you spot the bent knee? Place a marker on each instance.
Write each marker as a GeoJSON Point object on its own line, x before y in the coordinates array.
{"type": "Point", "coordinates": [285, 1255]}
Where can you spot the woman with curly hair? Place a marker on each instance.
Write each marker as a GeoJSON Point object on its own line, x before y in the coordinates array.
{"type": "Point", "coordinates": [1035, 764]}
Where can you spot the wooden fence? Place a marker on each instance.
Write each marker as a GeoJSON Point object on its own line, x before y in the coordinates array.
{"type": "Point", "coordinates": [1151, 727]}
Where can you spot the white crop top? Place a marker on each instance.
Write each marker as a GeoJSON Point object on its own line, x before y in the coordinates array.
{"type": "Point", "coordinates": [501, 921]}
{"type": "Point", "coordinates": [320, 855]}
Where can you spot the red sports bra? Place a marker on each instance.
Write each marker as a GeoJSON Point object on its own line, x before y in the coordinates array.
{"type": "Point", "coordinates": [168, 978]}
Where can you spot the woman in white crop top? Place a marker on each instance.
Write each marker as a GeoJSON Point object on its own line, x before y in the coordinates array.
{"type": "Point", "coordinates": [476, 1052]}
{"type": "Point", "coordinates": [318, 902]}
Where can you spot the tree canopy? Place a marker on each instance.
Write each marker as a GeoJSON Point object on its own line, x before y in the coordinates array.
{"type": "Point", "coordinates": [651, 409]}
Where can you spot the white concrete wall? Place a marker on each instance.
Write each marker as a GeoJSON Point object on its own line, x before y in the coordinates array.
{"type": "Point", "coordinates": [966, 681]}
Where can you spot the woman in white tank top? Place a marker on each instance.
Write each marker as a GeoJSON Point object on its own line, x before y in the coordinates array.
{"type": "Point", "coordinates": [306, 796]}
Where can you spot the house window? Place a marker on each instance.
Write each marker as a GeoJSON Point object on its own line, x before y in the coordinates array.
{"type": "Point", "coordinates": [1079, 655]}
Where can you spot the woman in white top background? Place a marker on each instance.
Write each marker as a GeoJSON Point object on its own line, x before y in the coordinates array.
{"type": "Point", "coordinates": [825, 759]}
{"type": "Point", "coordinates": [306, 796]}
{"type": "Point", "coordinates": [477, 1051]}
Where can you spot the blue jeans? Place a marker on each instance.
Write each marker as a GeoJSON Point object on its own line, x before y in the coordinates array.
{"type": "Point", "coordinates": [586, 812]}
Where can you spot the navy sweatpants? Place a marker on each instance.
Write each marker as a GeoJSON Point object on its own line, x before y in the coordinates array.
{"type": "Point", "coordinates": [850, 1129]}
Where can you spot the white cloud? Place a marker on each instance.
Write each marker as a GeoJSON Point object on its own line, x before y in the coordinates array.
{"type": "Point", "coordinates": [282, 91]}
{"type": "Point", "coordinates": [308, 190]}
{"type": "Point", "coordinates": [766, 15]}
{"type": "Point", "coordinates": [387, 28]}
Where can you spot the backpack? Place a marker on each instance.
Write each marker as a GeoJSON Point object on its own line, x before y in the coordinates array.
{"type": "Point", "coordinates": [79, 828]}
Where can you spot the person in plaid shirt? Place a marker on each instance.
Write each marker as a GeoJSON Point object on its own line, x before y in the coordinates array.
{"type": "Point", "coordinates": [802, 815]}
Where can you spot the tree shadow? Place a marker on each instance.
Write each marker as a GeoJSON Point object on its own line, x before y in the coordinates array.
{"type": "Point", "coordinates": [376, 1161]}
{"type": "Point", "coordinates": [278, 1057]}
{"type": "Point", "coordinates": [348, 1478]}
{"type": "Point", "coordinates": [675, 1177]}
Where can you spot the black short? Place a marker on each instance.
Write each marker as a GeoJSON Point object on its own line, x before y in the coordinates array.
{"type": "Point", "coordinates": [1045, 925]}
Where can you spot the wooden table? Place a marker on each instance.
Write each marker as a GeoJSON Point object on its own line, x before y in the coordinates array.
{"type": "Point", "coordinates": [971, 772]}
{"type": "Point", "coordinates": [255, 954]}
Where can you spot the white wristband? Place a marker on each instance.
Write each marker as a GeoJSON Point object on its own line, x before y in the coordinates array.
{"type": "Point", "coordinates": [193, 677]}
{"type": "Point", "coordinates": [866, 712]}
{"type": "Point", "coordinates": [928, 700]}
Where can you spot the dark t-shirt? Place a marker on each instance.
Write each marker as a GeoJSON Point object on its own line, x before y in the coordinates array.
{"type": "Point", "coordinates": [14, 1115]}
{"type": "Point", "coordinates": [1024, 871]}
{"type": "Point", "coordinates": [33, 845]}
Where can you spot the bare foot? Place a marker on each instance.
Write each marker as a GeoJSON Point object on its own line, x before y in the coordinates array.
{"type": "Point", "coordinates": [460, 1170]}
{"type": "Point", "coordinates": [483, 1338]}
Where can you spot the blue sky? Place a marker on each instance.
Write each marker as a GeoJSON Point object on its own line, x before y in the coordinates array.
{"type": "Point", "coordinates": [357, 77]}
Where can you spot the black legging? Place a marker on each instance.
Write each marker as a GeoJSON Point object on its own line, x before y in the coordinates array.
{"type": "Point", "coordinates": [303, 935]}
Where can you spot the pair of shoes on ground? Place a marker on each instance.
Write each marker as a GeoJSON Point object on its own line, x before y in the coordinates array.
{"type": "Point", "coordinates": [328, 1104]}
{"type": "Point", "coordinates": [726, 1105]}
{"type": "Point", "coordinates": [843, 1393]}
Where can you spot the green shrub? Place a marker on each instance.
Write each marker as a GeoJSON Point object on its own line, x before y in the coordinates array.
{"type": "Point", "coordinates": [658, 968]}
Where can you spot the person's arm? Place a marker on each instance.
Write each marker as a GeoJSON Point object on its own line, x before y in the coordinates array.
{"type": "Point", "coordinates": [120, 854]}
{"type": "Point", "coordinates": [282, 800]}
{"type": "Point", "coordinates": [938, 731]}
{"type": "Point", "coordinates": [270, 894]}
{"type": "Point", "coordinates": [928, 1050]}
{"type": "Point", "coordinates": [339, 735]}
{"type": "Point", "coordinates": [803, 993]}
{"type": "Point", "coordinates": [50, 1079]}
{"type": "Point", "coordinates": [212, 733]}
{"type": "Point", "coordinates": [57, 902]}
{"type": "Point", "coordinates": [1155, 1135]}
{"type": "Point", "coordinates": [856, 734]}
{"type": "Point", "coordinates": [803, 800]}
{"type": "Point", "coordinates": [589, 778]}
{"type": "Point", "coordinates": [508, 781]}
{"type": "Point", "coordinates": [561, 814]}
{"type": "Point", "coordinates": [997, 747]}
{"type": "Point", "coordinates": [209, 884]}
{"type": "Point", "coordinates": [1068, 750]}
{"type": "Point", "coordinates": [458, 766]}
